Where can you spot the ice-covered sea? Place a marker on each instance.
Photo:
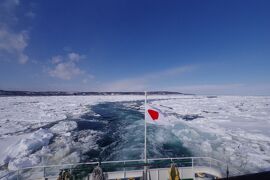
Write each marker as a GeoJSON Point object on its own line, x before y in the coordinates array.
{"type": "Point", "coordinates": [69, 129]}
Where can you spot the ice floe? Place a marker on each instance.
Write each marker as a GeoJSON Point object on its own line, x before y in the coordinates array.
{"type": "Point", "coordinates": [19, 153]}
{"type": "Point", "coordinates": [234, 129]}
{"type": "Point", "coordinates": [64, 127]}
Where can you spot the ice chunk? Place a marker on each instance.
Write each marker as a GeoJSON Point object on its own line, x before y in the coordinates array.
{"type": "Point", "coordinates": [18, 151]}
{"type": "Point", "coordinates": [71, 158]}
{"type": "Point", "coordinates": [23, 162]}
{"type": "Point", "coordinates": [206, 146]}
{"type": "Point", "coordinates": [31, 143]}
{"type": "Point", "coordinates": [63, 127]}
{"type": "Point", "coordinates": [7, 144]}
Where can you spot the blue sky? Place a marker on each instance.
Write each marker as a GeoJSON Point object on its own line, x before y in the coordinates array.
{"type": "Point", "coordinates": [203, 47]}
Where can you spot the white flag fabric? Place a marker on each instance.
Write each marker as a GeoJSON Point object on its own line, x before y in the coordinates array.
{"type": "Point", "coordinates": [154, 115]}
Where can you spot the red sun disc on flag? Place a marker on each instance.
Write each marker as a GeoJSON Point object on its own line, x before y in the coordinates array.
{"type": "Point", "coordinates": [154, 114]}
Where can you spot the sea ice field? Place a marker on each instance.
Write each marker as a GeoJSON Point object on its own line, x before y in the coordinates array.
{"type": "Point", "coordinates": [50, 130]}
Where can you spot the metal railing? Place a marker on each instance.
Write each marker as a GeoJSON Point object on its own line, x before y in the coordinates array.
{"type": "Point", "coordinates": [83, 169]}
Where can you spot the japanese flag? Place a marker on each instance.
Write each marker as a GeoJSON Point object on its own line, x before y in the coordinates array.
{"type": "Point", "coordinates": [155, 116]}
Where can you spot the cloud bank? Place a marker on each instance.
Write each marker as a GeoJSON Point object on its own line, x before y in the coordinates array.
{"type": "Point", "coordinates": [12, 43]}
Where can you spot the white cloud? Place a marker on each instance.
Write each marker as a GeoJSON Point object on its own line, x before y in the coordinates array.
{"type": "Point", "coordinates": [23, 58]}
{"type": "Point", "coordinates": [65, 70]}
{"type": "Point", "coordinates": [74, 57]}
{"type": "Point", "coordinates": [85, 81]}
{"type": "Point", "coordinates": [57, 59]}
{"type": "Point", "coordinates": [65, 67]}
{"type": "Point", "coordinates": [12, 43]}
{"type": "Point", "coordinates": [143, 82]}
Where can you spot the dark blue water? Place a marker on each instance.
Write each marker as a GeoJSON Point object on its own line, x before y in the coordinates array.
{"type": "Point", "coordinates": [122, 127]}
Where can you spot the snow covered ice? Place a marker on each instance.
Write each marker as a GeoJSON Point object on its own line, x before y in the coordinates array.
{"type": "Point", "coordinates": [52, 130]}
{"type": "Point", "coordinates": [22, 117]}
{"type": "Point", "coordinates": [230, 128]}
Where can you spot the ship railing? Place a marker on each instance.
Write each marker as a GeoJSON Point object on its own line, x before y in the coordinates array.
{"type": "Point", "coordinates": [79, 170]}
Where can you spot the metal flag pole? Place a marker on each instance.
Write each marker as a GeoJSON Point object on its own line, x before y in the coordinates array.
{"type": "Point", "coordinates": [145, 135]}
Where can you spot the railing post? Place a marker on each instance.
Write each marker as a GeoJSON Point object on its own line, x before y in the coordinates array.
{"type": "Point", "coordinates": [124, 169]}
{"type": "Point", "coordinates": [192, 163]}
{"type": "Point", "coordinates": [18, 174]}
{"type": "Point", "coordinates": [227, 171]}
{"type": "Point", "coordinates": [71, 172]}
{"type": "Point", "coordinates": [44, 171]}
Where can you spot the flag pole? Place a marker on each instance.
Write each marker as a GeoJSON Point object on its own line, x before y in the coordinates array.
{"type": "Point", "coordinates": [145, 129]}
{"type": "Point", "coordinates": [145, 135]}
